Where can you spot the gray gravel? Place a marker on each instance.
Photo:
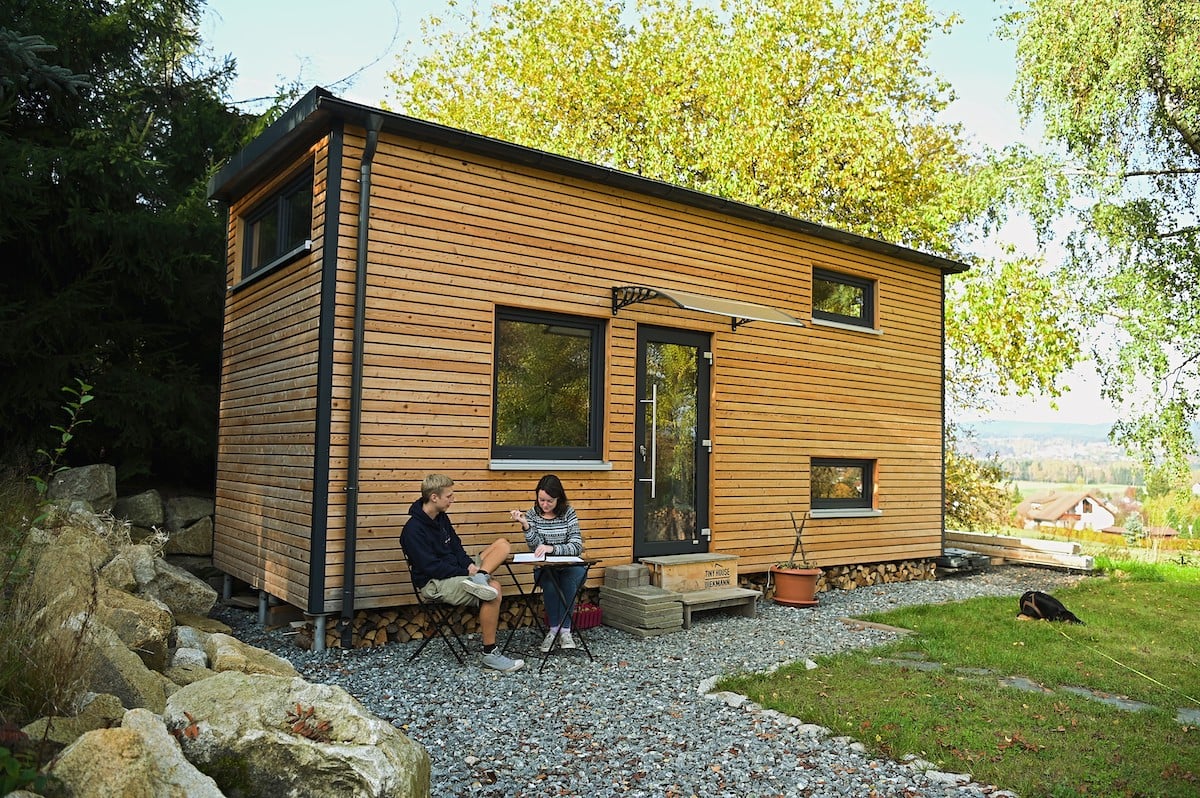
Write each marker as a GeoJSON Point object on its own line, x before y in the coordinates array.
{"type": "Point", "coordinates": [640, 721]}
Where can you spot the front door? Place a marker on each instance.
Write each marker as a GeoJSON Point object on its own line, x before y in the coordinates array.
{"type": "Point", "coordinates": [671, 439]}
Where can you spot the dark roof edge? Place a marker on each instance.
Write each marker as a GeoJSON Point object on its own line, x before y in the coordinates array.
{"type": "Point", "coordinates": [311, 111]}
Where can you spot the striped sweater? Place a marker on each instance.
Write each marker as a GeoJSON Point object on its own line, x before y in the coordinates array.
{"type": "Point", "coordinates": [561, 532]}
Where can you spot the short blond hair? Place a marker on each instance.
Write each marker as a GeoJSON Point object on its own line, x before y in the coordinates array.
{"type": "Point", "coordinates": [434, 483]}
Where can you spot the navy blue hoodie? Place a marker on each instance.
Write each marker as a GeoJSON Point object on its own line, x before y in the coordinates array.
{"type": "Point", "coordinates": [432, 547]}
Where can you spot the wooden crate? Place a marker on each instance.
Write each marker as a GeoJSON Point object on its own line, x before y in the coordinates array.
{"type": "Point", "coordinates": [685, 573]}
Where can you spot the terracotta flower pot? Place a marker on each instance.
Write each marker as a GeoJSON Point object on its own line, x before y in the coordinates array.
{"type": "Point", "coordinates": [796, 587]}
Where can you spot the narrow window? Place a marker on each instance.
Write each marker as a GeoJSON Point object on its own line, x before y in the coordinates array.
{"type": "Point", "coordinates": [279, 228]}
{"type": "Point", "coordinates": [549, 386]}
{"type": "Point", "coordinates": [844, 299]}
{"type": "Point", "coordinates": [842, 484]}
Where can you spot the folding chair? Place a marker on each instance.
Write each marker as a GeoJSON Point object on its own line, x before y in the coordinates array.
{"type": "Point", "coordinates": [440, 616]}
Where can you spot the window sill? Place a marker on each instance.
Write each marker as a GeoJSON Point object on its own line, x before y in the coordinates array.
{"type": "Point", "coordinates": [848, 512]}
{"type": "Point", "coordinates": [283, 259]}
{"type": "Point", "coordinates": [841, 326]}
{"type": "Point", "coordinates": [549, 466]}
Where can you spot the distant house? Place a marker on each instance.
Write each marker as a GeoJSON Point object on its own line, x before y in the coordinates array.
{"type": "Point", "coordinates": [1076, 510]}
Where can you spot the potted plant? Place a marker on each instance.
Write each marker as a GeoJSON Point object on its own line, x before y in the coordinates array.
{"type": "Point", "coordinates": [796, 580]}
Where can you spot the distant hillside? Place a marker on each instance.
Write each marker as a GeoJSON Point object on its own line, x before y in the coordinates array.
{"type": "Point", "coordinates": [1040, 430]}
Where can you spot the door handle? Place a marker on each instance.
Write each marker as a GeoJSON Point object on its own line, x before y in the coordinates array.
{"type": "Point", "coordinates": [653, 402]}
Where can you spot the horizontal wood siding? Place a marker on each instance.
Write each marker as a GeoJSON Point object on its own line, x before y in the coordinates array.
{"type": "Point", "coordinates": [267, 433]}
{"type": "Point", "coordinates": [455, 235]}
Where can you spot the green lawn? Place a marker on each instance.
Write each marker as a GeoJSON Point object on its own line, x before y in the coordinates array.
{"type": "Point", "coordinates": [1142, 641]}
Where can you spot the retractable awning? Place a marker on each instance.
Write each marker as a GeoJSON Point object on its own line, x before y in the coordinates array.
{"type": "Point", "coordinates": [739, 312]}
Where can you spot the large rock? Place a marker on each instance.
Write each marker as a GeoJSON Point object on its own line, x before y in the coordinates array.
{"type": "Point", "coordinates": [201, 624]}
{"type": "Point", "coordinates": [227, 653]}
{"type": "Point", "coordinates": [132, 567]}
{"type": "Point", "coordinates": [143, 509]}
{"type": "Point", "coordinates": [189, 657]}
{"type": "Point", "coordinates": [99, 711]}
{"type": "Point", "coordinates": [185, 636]}
{"type": "Point", "coordinates": [63, 581]}
{"type": "Point", "coordinates": [144, 624]}
{"type": "Point", "coordinates": [183, 511]}
{"type": "Point", "coordinates": [245, 738]}
{"type": "Point", "coordinates": [138, 570]}
{"type": "Point", "coordinates": [140, 759]}
{"type": "Point", "coordinates": [186, 673]}
{"type": "Point", "coordinates": [117, 670]}
{"type": "Point", "coordinates": [144, 512]}
{"type": "Point", "coordinates": [95, 484]}
{"type": "Point", "coordinates": [195, 539]}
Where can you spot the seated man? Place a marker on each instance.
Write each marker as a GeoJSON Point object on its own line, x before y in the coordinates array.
{"type": "Point", "coordinates": [442, 571]}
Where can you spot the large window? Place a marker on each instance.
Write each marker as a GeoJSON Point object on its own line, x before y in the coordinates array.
{"type": "Point", "coordinates": [843, 299]}
{"type": "Point", "coordinates": [548, 386]}
{"type": "Point", "coordinates": [279, 228]}
{"type": "Point", "coordinates": [840, 484]}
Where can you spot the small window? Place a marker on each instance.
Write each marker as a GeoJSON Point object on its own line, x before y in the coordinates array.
{"type": "Point", "coordinates": [844, 299]}
{"type": "Point", "coordinates": [549, 386]}
{"type": "Point", "coordinates": [842, 484]}
{"type": "Point", "coordinates": [279, 228]}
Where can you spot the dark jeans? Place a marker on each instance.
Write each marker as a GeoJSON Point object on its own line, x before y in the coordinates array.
{"type": "Point", "coordinates": [568, 578]}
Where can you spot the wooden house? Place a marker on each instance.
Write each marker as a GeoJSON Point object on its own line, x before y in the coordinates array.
{"type": "Point", "coordinates": [1084, 509]}
{"type": "Point", "coordinates": [406, 298]}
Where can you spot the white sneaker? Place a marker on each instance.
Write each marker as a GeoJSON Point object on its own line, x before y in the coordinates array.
{"type": "Point", "coordinates": [477, 585]}
{"type": "Point", "coordinates": [565, 640]}
{"type": "Point", "coordinates": [500, 662]}
{"type": "Point", "coordinates": [547, 643]}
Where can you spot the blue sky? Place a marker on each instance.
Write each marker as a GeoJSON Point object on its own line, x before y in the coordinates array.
{"type": "Point", "coordinates": [276, 41]}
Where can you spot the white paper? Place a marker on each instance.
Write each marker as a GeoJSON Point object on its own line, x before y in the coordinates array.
{"type": "Point", "coordinates": [531, 557]}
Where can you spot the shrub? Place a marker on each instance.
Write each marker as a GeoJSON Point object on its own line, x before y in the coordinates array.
{"type": "Point", "coordinates": [41, 670]}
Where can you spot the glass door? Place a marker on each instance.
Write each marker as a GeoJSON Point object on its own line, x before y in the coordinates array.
{"type": "Point", "coordinates": [671, 439]}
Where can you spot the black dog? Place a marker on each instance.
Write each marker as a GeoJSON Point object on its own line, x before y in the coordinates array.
{"type": "Point", "coordinates": [1036, 605]}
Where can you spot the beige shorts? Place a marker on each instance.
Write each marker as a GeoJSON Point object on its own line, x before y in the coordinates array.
{"type": "Point", "coordinates": [449, 591]}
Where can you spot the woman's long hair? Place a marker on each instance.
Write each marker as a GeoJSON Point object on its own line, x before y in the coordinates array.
{"type": "Point", "coordinates": [554, 489]}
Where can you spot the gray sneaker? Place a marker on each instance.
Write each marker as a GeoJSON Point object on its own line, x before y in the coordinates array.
{"type": "Point", "coordinates": [477, 585]}
{"type": "Point", "coordinates": [547, 643]}
{"type": "Point", "coordinates": [565, 640]}
{"type": "Point", "coordinates": [502, 663]}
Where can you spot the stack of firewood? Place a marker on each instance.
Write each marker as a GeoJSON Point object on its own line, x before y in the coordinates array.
{"type": "Point", "coordinates": [377, 627]}
{"type": "Point", "coordinates": [849, 577]}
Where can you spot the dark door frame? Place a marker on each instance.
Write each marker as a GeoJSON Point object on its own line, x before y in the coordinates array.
{"type": "Point", "coordinates": [698, 539]}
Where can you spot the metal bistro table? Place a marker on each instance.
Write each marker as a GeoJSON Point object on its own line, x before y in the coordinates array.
{"type": "Point", "coordinates": [529, 599]}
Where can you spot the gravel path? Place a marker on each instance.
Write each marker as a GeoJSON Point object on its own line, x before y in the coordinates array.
{"type": "Point", "coordinates": [637, 722]}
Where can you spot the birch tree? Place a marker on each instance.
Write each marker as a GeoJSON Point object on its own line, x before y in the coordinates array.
{"type": "Point", "coordinates": [1117, 86]}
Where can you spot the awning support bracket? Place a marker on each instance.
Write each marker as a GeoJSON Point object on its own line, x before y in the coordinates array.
{"type": "Point", "coordinates": [625, 295]}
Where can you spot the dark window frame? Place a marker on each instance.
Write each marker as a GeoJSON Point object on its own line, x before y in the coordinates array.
{"type": "Point", "coordinates": [596, 327]}
{"type": "Point", "coordinates": [277, 205]}
{"type": "Point", "coordinates": [864, 502]}
{"type": "Point", "coordinates": [866, 286]}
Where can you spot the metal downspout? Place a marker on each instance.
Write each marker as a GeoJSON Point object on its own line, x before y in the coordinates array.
{"type": "Point", "coordinates": [374, 124]}
{"type": "Point", "coordinates": [942, 514]}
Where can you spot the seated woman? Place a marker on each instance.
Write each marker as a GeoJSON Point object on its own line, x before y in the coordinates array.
{"type": "Point", "coordinates": [551, 528]}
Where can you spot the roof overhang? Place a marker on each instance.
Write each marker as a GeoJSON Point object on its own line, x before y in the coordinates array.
{"type": "Point", "coordinates": [319, 111]}
{"type": "Point", "coordinates": [738, 311]}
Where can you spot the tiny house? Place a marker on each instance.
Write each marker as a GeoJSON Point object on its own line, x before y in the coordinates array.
{"type": "Point", "coordinates": [406, 298]}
